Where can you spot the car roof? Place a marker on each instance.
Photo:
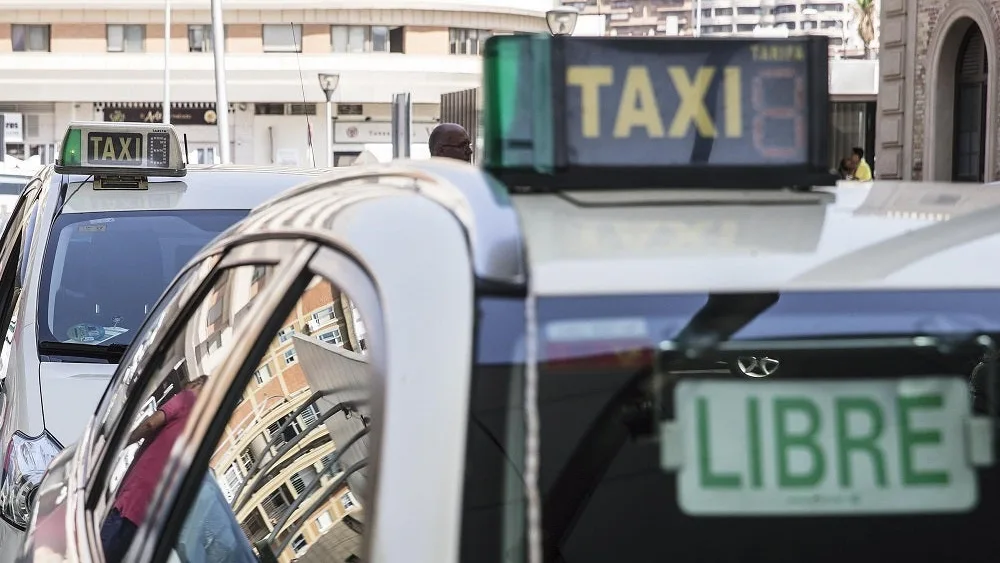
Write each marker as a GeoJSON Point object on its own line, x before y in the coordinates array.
{"type": "Point", "coordinates": [203, 187]}
{"type": "Point", "coordinates": [871, 235]}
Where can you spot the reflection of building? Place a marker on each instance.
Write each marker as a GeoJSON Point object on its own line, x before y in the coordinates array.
{"type": "Point", "coordinates": [276, 444]}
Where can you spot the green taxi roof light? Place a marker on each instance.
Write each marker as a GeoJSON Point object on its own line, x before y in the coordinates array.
{"type": "Point", "coordinates": [121, 149]}
{"type": "Point", "coordinates": [563, 112]}
{"type": "Point", "coordinates": [71, 148]}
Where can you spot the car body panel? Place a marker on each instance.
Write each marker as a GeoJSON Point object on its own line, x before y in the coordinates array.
{"type": "Point", "coordinates": [879, 235]}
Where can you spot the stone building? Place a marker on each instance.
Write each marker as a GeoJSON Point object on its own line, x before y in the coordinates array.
{"type": "Point", "coordinates": [939, 97]}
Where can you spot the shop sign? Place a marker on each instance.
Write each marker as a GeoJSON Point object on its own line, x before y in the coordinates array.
{"type": "Point", "coordinates": [13, 128]}
{"type": "Point", "coordinates": [180, 114]}
{"type": "Point", "coordinates": [361, 132]}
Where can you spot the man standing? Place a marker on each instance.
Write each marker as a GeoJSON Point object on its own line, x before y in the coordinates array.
{"type": "Point", "coordinates": [862, 172]}
{"type": "Point", "coordinates": [450, 140]}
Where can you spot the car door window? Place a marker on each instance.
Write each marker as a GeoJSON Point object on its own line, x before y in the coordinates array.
{"type": "Point", "coordinates": [163, 399]}
{"type": "Point", "coordinates": [289, 474]}
{"type": "Point", "coordinates": [124, 383]}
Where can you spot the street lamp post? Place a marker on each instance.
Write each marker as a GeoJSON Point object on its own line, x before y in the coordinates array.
{"type": "Point", "coordinates": [329, 82]}
{"type": "Point", "coordinates": [562, 20]}
{"type": "Point", "coordinates": [166, 62]}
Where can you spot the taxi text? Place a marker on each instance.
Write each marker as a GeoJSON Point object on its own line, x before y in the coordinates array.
{"type": "Point", "coordinates": [123, 148]}
{"type": "Point", "coordinates": [639, 107]}
{"type": "Point", "coordinates": [848, 447]}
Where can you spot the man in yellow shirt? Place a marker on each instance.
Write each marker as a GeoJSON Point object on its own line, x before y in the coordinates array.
{"type": "Point", "coordinates": [862, 172]}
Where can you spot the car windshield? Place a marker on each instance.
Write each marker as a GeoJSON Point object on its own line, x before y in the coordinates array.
{"type": "Point", "coordinates": [809, 426]}
{"type": "Point", "coordinates": [104, 272]}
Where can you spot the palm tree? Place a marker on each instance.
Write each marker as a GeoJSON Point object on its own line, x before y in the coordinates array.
{"type": "Point", "coordinates": [866, 23]}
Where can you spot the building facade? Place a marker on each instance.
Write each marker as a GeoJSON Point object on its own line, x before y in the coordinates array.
{"type": "Point", "coordinates": [938, 81]}
{"type": "Point", "coordinates": [836, 19]}
{"type": "Point", "coordinates": [92, 60]}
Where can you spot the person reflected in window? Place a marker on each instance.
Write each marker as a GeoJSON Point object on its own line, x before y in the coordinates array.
{"type": "Point", "coordinates": [846, 170]}
{"type": "Point", "coordinates": [450, 140]}
{"type": "Point", "coordinates": [158, 433]}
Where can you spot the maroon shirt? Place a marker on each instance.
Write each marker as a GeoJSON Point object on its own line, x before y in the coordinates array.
{"type": "Point", "coordinates": [140, 484]}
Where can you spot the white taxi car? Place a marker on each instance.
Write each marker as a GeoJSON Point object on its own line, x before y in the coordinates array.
{"type": "Point", "coordinates": [595, 349]}
{"type": "Point", "coordinates": [92, 243]}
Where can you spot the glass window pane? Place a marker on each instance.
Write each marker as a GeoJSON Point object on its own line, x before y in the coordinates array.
{"type": "Point", "coordinates": [18, 38]}
{"type": "Point", "coordinates": [280, 495]}
{"type": "Point", "coordinates": [38, 38]}
{"type": "Point", "coordinates": [134, 36]}
{"type": "Point", "coordinates": [380, 39]}
{"type": "Point", "coordinates": [171, 393]}
{"type": "Point", "coordinates": [356, 39]}
{"type": "Point", "coordinates": [116, 38]}
{"type": "Point", "coordinates": [282, 38]}
{"type": "Point", "coordinates": [338, 38]}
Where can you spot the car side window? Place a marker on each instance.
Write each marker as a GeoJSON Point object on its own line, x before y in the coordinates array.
{"type": "Point", "coordinates": [124, 383]}
{"type": "Point", "coordinates": [289, 474]}
{"type": "Point", "coordinates": [166, 394]}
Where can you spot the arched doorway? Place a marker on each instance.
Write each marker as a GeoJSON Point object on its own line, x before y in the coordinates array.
{"type": "Point", "coordinates": [968, 156]}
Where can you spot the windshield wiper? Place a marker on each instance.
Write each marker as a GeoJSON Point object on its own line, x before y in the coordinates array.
{"type": "Point", "coordinates": [111, 352]}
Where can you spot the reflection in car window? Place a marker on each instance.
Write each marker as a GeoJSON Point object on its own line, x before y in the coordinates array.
{"type": "Point", "coordinates": [103, 272]}
{"type": "Point", "coordinates": [167, 400]}
{"type": "Point", "coordinates": [291, 463]}
{"type": "Point", "coordinates": [137, 355]}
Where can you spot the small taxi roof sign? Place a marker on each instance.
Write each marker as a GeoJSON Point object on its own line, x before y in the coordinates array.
{"type": "Point", "coordinates": [613, 112]}
{"type": "Point", "coordinates": [121, 149]}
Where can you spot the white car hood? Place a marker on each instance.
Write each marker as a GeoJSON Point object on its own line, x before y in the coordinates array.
{"type": "Point", "coordinates": [70, 394]}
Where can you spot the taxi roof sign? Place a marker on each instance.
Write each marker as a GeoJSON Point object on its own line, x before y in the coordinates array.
{"type": "Point", "coordinates": [596, 112]}
{"type": "Point", "coordinates": [121, 149]}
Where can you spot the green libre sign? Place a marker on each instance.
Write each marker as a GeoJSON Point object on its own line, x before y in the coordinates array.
{"type": "Point", "coordinates": [765, 447]}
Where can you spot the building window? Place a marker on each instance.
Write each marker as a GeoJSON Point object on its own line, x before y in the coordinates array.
{"type": "Point", "coordinates": [467, 41]}
{"type": "Point", "coordinates": [309, 416]}
{"type": "Point", "coordinates": [290, 357]}
{"type": "Point", "coordinates": [332, 337]}
{"type": "Point", "coordinates": [246, 458]}
{"type": "Point", "coordinates": [285, 334]}
{"type": "Point", "coordinates": [324, 522]}
{"type": "Point", "coordinates": [348, 500]}
{"type": "Point", "coordinates": [299, 545]}
{"type": "Point", "coordinates": [262, 374]}
{"type": "Point", "coordinates": [282, 38]}
{"type": "Point", "coordinates": [30, 38]}
{"type": "Point", "coordinates": [200, 38]}
{"type": "Point", "coordinates": [968, 145]}
{"type": "Point", "coordinates": [359, 38]}
{"type": "Point", "coordinates": [126, 38]}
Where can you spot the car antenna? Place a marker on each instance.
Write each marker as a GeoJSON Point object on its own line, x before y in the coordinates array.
{"type": "Point", "coordinates": [302, 85]}
{"type": "Point", "coordinates": [187, 153]}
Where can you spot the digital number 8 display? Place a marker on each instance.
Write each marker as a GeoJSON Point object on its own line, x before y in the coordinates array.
{"type": "Point", "coordinates": [765, 114]}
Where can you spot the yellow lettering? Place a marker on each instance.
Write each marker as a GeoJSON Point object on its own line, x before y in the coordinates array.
{"type": "Point", "coordinates": [95, 145]}
{"type": "Point", "coordinates": [109, 149]}
{"type": "Point", "coordinates": [590, 79]}
{"type": "Point", "coordinates": [692, 105]}
{"type": "Point", "coordinates": [125, 153]}
{"type": "Point", "coordinates": [733, 101]}
{"type": "Point", "coordinates": [638, 107]}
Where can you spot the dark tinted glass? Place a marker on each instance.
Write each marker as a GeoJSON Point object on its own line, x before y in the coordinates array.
{"type": "Point", "coordinates": [609, 417]}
